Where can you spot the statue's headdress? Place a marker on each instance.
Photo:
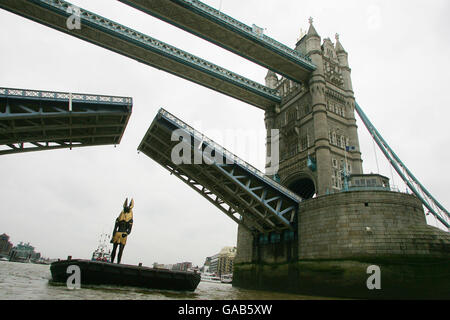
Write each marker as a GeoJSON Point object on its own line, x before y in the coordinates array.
{"type": "Point", "coordinates": [127, 208]}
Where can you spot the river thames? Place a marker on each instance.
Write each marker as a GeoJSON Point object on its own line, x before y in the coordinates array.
{"type": "Point", "coordinates": [27, 281]}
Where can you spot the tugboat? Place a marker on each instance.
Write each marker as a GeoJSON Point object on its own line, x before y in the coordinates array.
{"type": "Point", "coordinates": [22, 253]}
{"type": "Point", "coordinates": [102, 253]}
{"type": "Point", "coordinates": [210, 277]}
{"type": "Point", "coordinates": [227, 278]}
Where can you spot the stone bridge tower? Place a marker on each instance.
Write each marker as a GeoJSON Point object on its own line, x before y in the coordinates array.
{"type": "Point", "coordinates": [316, 121]}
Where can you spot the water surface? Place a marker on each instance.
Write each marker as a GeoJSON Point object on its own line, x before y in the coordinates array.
{"type": "Point", "coordinates": [27, 281]}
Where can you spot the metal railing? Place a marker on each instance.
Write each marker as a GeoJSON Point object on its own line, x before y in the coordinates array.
{"type": "Point", "coordinates": [249, 31]}
{"type": "Point", "coordinates": [63, 96]}
{"type": "Point", "coordinates": [229, 155]}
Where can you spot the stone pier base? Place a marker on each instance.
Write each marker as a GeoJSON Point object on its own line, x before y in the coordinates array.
{"type": "Point", "coordinates": [338, 237]}
{"type": "Point", "coordinates": [408, 279]}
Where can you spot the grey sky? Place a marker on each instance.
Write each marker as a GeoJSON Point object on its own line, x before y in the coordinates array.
{"type": "Point", "coordinates": [61, 201]}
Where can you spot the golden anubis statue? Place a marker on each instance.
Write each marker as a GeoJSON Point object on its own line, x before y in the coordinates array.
{"type": "Point", "coordinates": [122, 229]}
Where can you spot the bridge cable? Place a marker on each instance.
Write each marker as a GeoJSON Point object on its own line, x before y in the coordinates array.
{"type": "Point", "coordinates": [406, 175]}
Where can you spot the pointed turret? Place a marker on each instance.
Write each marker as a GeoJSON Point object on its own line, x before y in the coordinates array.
{"type": "Point", "coordinates": [341, 53]}
{"type": "Point", "coordinates": [339, 48]}
{"type": "Point", "coordinates": [313, 39]}
{"type": "Point", "coordinates": [312, 31]}
{"type": "Point", "coordinates": [271, 79]}
{"type": "Point", "coordinates": [343, 62]}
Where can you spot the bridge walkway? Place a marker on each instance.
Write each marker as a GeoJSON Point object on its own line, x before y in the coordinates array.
{"type": "Point", "coordinates": [215, 26]}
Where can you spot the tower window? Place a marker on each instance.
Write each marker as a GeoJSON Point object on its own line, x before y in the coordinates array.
{"type": "Point", "coordinates": [304, 143]}
{"type": "Point", "coordinates": [339, 140]}
{"type": "Point", "coordinates": [335, 165]}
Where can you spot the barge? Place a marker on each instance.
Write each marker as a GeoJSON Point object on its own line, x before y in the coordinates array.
{"type": "Point", "coordinates": [105, 273]}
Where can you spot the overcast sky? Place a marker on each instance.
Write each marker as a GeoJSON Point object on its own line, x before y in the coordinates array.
{"type": "Point", "coordinates": [61, 201]}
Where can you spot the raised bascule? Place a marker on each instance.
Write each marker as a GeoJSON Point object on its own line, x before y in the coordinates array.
{"type": "Point", "coordinates": [318, 223]}
{"type": "Point", "coordinates": [33, 120]}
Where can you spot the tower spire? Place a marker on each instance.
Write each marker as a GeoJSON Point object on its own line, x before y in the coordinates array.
{"type": "Point", "coordinates": [312, 31]}
{"type": "Point", "coordinates": [339, 48]}
{"type": "Point", "coordinates": [271, 79]}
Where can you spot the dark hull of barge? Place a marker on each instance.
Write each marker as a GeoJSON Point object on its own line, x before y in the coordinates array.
{"type": "Point", "coordinates": [105, 273]}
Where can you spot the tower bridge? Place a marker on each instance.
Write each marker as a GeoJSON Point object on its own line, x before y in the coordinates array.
{"type": "Point", "coordinates": [325, 243]}
{"type": "Point", "coordinates": [315, 114]}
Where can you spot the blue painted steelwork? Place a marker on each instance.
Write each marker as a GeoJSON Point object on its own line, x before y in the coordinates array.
{"type": "Point", "coordinates": [164, 10]}
{"type": "Point", "coordinates": [249, 32]}
{"type": "Point", "coordinates": [12, 93]}
{"type": "Point", "coordinates": [227, 154]}
{"type": "Point", "coordinates": [414, 185]}
{"type": "Point", "coordinates": [32, 120]}
{"type": "Point", "coordinates": [134, 37]}
{"type": "Point", "coordinates": [235, 187]}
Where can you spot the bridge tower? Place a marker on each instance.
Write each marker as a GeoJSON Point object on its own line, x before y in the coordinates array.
{"type": "Point", "coordinates": [316, 121]}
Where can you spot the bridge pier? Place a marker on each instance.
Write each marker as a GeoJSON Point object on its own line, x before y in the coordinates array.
{"type": "Point", "coordinates": [338, 237]}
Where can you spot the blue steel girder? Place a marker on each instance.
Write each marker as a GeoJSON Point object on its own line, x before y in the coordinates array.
{"type": "Point", "coordinates": [145, 49]}
{"type": "Point", "coordinates": [32, 120]}
{"type": "Point", "coordinates": [213, 25]}
{"type": "Point", "coordinates": [216, 191]}
{"type": "Point", "coordinates": [233, 186]}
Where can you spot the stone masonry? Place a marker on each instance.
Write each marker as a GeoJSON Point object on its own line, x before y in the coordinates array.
{"type": "Point", "coordinates": [339, 236]}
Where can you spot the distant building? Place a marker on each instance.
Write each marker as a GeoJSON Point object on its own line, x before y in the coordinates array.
{"type": "Point", "coordinates": [157, 265]}
{"type": "Point", "coordinates": [222, 263]}
{"type": "Point", "coordinates": [5, 245]}
{"type": "Point", "coordinates": [206, 265]}
{"type": "Point", "coordinates": [182, 266]}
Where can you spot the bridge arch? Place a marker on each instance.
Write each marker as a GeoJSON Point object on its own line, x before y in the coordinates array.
{"type": "Point", "coordinates": [302, 183]}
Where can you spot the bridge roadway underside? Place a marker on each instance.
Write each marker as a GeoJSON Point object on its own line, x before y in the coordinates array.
{"type": "Point", "coordinates": [34, 124]}
{"type": "Point", "coordinates": [125, 41]}
{"type": "Point", "coordinates": [242, 196]}
{"type": "Point", "coordinates": [218, 28]}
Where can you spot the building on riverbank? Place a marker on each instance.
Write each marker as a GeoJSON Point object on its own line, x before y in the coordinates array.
{"type": "Point", "coordinates": [5, 245]}
{"type": "Point", "coordinates": [222, 263]}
